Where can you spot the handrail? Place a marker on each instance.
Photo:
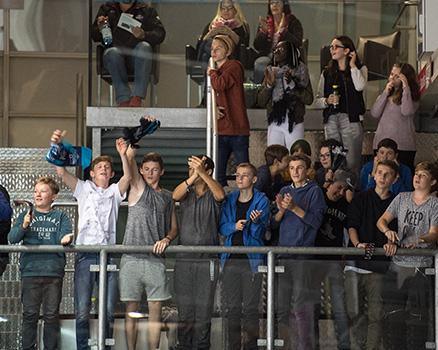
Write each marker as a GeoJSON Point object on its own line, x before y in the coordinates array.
{"type": "Point", "coordinates": [118, 248]}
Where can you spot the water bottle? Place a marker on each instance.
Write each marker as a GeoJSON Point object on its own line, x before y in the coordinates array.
{"type": "Point", "coordinates": [336, 93]}
{"type": "Point", "coordinates": [105, 30]}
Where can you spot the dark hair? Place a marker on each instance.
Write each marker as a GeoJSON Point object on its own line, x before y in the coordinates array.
{"type": "Point", "coordinates": [274, 152]}
{"type": "Point", "coordinates": [390, 164]}
{"type": "Point", "coordinates": [249, 166]}
{"type": "Point", "coordinates": [333, 67]}
{"type": "Point", "coordinates": [286, 7]}
{"type": "Point", "coordinates": [153, 157]}
{"type": "Point", "coordinates": [208, 162]}
{"type": "Point", "coordinates": [303, 145]}
{"type": "Point", "coordinates": [409, 72]}
{"type": "Point", "coordinates": [388, 143]}
{"type": "Point", "coordinates": [431, 168]}
{"type": "Point", "coordinates": [293, 54]}
{"type": "Point", "coordinates": [330, 143]}
{"type": "Point", "coordinates": [301, 157]}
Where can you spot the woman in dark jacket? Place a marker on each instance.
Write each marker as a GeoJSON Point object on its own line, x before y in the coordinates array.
{"type": "Point", "coordinates": [279, 25]}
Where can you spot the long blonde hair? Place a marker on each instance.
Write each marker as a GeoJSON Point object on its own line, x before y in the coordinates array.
{"type": "Point", "coordinates": [239, 17]}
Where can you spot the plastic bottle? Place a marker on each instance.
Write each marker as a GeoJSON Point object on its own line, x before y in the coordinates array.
{"type": "Point", "coordinates": [105, 30]}
{"type": "Point", "coordinates": [336, 93]}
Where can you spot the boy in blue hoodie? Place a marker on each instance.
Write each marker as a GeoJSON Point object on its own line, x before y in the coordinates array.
{"type": "Point", "coordinates": [243, 221]}
{"type": "Point", "coordinates": [42, 274]}
{"type": "Point", "coordinates": [301, 207]}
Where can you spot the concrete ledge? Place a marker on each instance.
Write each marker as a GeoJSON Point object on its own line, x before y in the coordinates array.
{"type": "Point", "coordinates": [113, 117]}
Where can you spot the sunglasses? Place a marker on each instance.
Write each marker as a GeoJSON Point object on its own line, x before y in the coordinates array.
{"type": "Point", "coordinates": [335, 47]}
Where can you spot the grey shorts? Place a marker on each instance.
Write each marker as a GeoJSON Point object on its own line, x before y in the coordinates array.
{"type": "Point", "coordinates": [138, 275]}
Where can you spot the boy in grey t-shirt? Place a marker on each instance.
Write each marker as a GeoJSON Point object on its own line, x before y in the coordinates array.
{"type": "Point", "coordinates": [417, 216]}
{"type": "Point", "coordinates": [151, 221]}
{"type": "Point", "coordinates": [196, 275]}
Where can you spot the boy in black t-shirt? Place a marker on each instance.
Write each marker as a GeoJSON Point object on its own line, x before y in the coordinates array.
{"type": "Point", "coordinates": [365, 281]}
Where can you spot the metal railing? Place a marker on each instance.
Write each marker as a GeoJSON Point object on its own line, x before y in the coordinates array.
{"type": "Point", "coordinates": [271, 252]}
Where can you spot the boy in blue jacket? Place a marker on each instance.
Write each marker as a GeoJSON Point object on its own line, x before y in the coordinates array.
{"type": "Point", "coordinates": [42, 273]}
{"type": "Point", "coordinates": [245, 214]}
{"type": "Point", "coordinates": [301, 207]}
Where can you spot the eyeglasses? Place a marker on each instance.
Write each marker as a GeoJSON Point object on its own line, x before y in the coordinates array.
{"type": "Point", "coordinates": [279, 49]}
{"type": "Point", "coordinates": [335, 47]}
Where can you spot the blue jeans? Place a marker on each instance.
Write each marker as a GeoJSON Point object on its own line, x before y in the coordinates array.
{"type": "Point", "coordinates": [37, 291]}
{"type": "Point", "coordinates": [117, 60]}
{"type": "Point", "coordinates": [84, 283]}
{"type": "Point", "coordinates": [238, 145]}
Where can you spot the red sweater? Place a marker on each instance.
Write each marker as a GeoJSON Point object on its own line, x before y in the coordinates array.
{"type": "Point", "coordinates": [227, 82]}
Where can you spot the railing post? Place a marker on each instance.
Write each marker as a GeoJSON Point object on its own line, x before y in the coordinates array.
{"type": "Point", "coordinates": [270, 302]}
{"type": "Point", "coordinates": [436, 300]}
{"type": "Point", "coordinates": [101, 334]}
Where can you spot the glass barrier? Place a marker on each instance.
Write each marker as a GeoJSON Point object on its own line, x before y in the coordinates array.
{"type": "Point", "coordinates": [319, 301]}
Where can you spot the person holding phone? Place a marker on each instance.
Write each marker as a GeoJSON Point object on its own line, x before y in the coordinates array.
{"type": "Point", "coordinates": [340, 94]}
{"type": "Point", "coordinates": [279, 25]}
{"type": "Point", "coordinates": [396, 106]}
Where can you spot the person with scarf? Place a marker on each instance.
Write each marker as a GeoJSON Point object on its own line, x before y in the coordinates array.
{"type": "Point", "coordinates": [279, 25]}
{"type": "Point", "coordinates": [284, 95]}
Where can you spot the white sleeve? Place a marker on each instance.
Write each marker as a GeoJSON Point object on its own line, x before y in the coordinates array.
{"type": "Point", "coordinates": [320, 99]}
{"type": "Point", "coordinates": [119, 197]}
{"type": "Point", "coordinates": [79, 190]}
{"type": "Point", "coordinates": [359, 77]}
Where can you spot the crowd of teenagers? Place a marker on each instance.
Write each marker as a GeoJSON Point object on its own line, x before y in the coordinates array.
{"type": "Point", "coordinates": [285, 202]}
{"type": "Point", "coordinates": [387, 203]}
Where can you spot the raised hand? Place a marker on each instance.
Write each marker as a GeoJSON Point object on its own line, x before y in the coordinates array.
{"type": "Point", "coordinates": [57, 136]}
{"type": "Point", "coordinates": [353, 58]}
{"type": "Point", "coordinates": [121, 146]}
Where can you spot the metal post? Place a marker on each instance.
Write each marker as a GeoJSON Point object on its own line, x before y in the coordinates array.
{"type": "Point", "coordinates": [436, 300]}
{"type": "Point", "coordinates": [209, 116]}
{"type": "Point", "coordinates": [102, 300]}
{"type": "Point", "coordinates": [270, 303]}
{"type": "Point", "coordinates": [188, 91]}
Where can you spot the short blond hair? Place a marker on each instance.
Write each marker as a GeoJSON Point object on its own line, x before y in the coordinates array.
{"type": "Point", "coordinates": [46, 180]}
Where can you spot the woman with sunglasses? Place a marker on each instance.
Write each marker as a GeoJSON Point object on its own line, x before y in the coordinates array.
{"type": "Point", "coordinates": [229, 15]}
{"type": "Point", "coordinates": [396, 106]}
{"type": "Point", "coordinates": [340, 94]}
{"type": "Point", "coordinates": [279, 25]}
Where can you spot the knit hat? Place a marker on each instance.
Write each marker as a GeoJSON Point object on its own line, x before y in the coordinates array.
{"type": "Point", "coordinates": [346, 177]}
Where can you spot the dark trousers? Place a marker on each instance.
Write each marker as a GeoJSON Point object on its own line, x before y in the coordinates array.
{"type": "Point", "coordinates": [366, 323]}
{"type": "Point", "coordinates": [195, 284]}
{"type": "Point", "coordinates": [296, 286]}
{"type": "Point", "coordinates": [37, 291]}
{"type": "Point", "coordinates": [238, 145]}
{"type": "Point", "coordinates": [84, 284]}
{"type": "Point", "coordinates": [242, 289]}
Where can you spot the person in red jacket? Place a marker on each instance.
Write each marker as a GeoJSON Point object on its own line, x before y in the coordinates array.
{"type": "Point", "coordinates": [232, 125]}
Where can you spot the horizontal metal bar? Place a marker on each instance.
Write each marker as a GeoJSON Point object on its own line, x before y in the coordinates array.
{"type": "Point", "coordinates": [207, 249]}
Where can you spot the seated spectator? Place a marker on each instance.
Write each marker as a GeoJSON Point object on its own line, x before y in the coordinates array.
{"type": "Point", "coordinates": [279, 25]}
{"type": "Point", "coordinates": [129, 49]}
{"type": "Point", "coordinates": [244, 216]}
{"type": "Point", "coordinates": [301, 146]}
{"type": "Point", "coordinates": [269, 179]}
{"type": "Point", "coordinates": [395, 108]}
{"type": "Point", "coordinates": [232, 124]}
{"type": "Point", "coordinates": [324, 175]}
{"type": "Point", "coordinates": [5, 225]}
{"type": "Point", "coordinates": [284, 94]}
{"type": "Point", "coordinates": [229, 18]}
{"type": "Point", "coordinates": [386, 150]}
